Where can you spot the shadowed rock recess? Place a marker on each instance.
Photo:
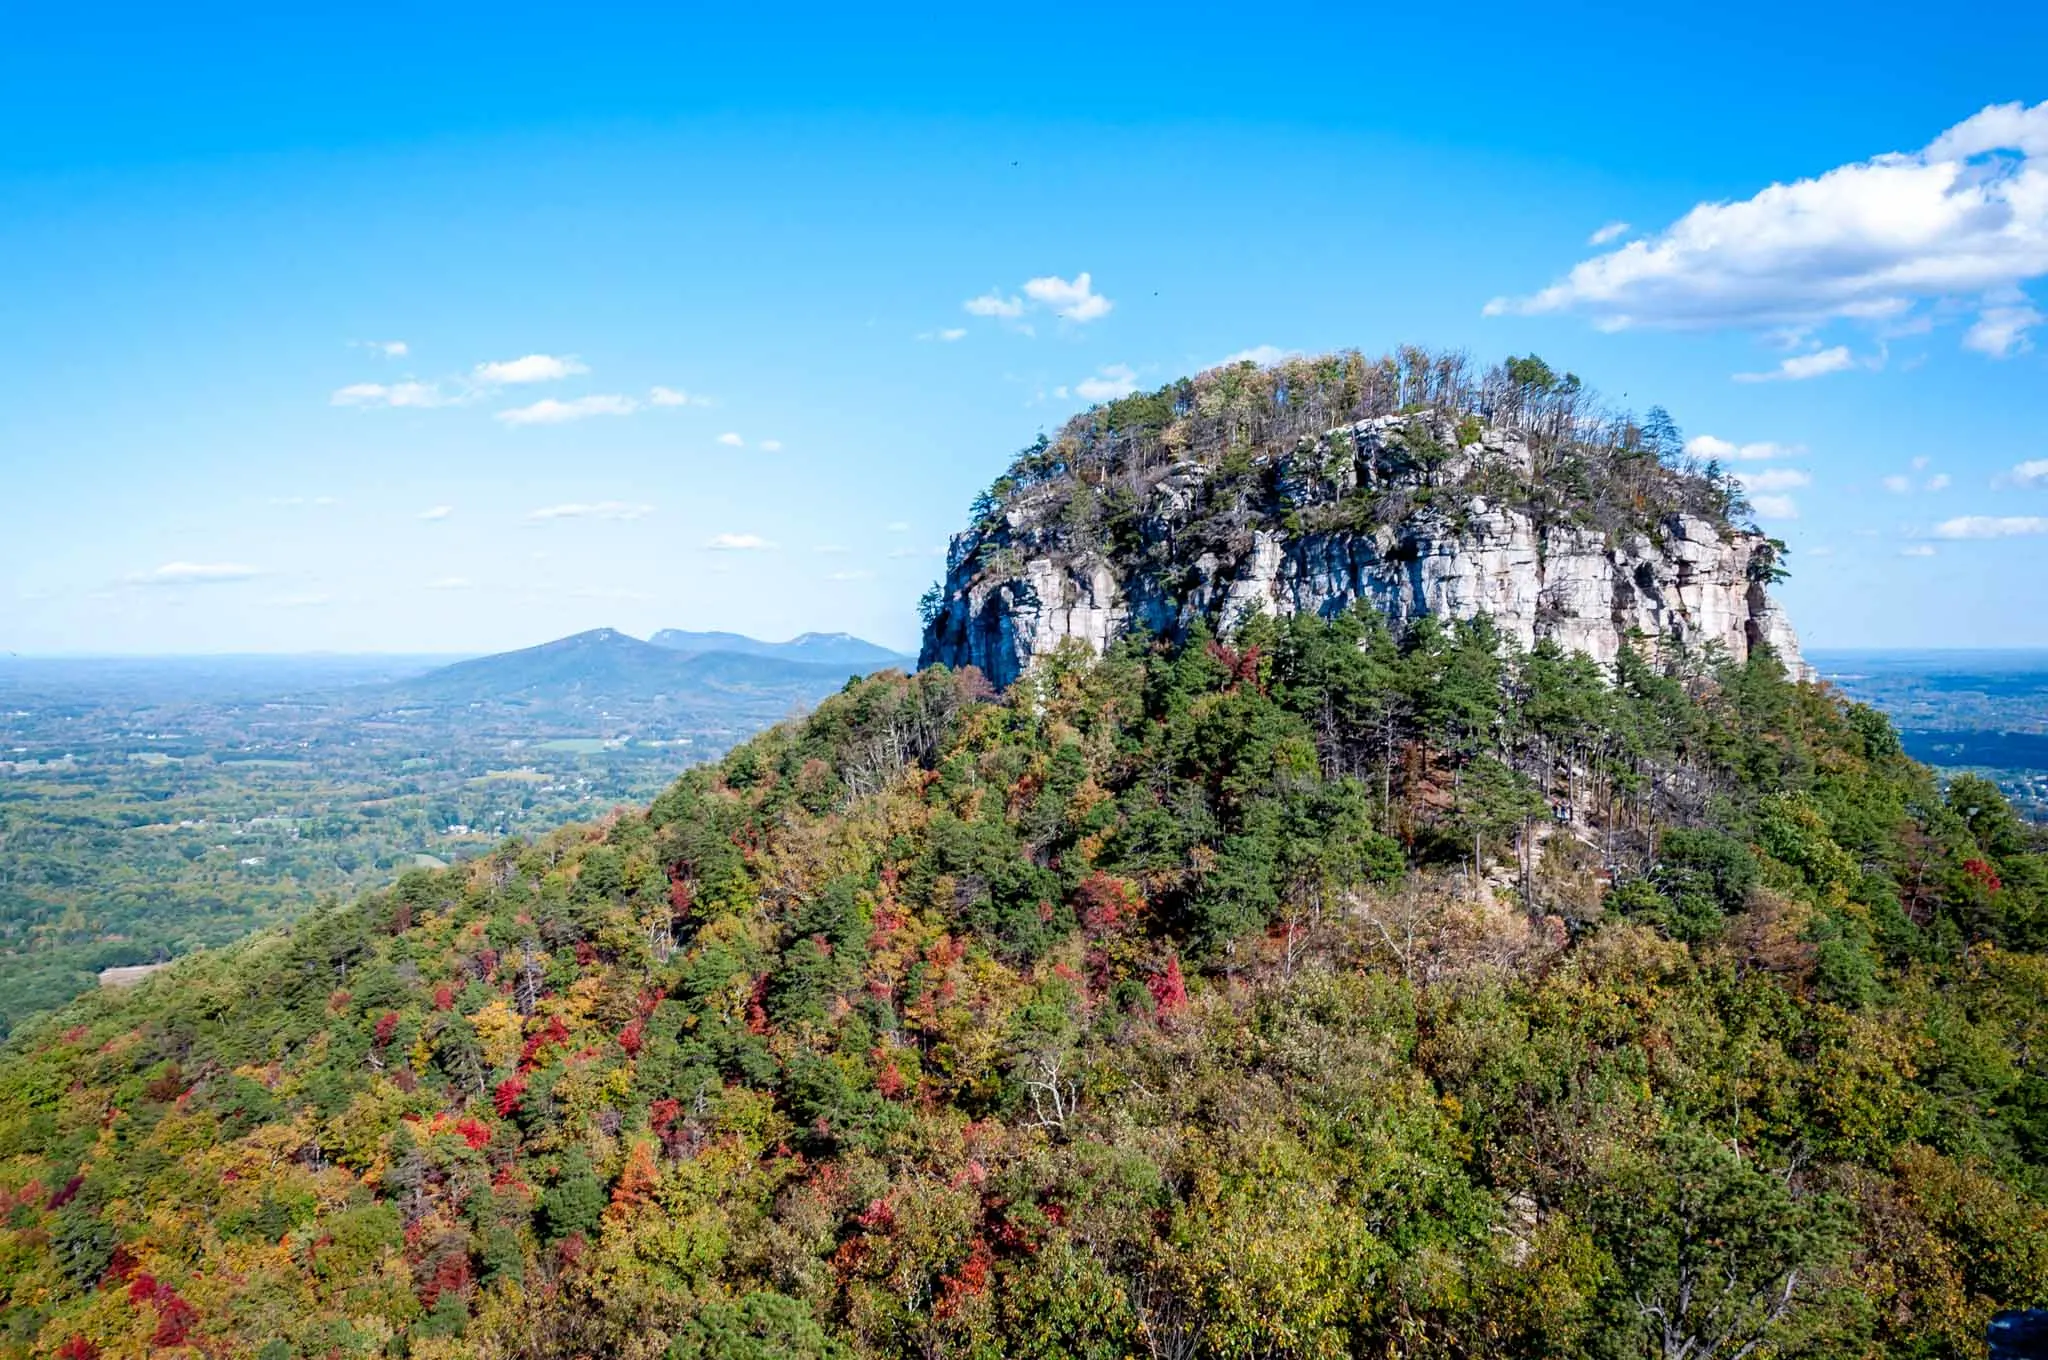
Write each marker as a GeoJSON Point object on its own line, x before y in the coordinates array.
{"type": "Point", "coordinates": [1408, 484]}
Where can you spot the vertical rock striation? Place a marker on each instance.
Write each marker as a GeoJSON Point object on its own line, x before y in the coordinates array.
{"type": "Point", "coordinates": [1348, 518]}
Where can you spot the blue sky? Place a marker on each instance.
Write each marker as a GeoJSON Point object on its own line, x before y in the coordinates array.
{"type": "Point", "coordinates": [613, 245]}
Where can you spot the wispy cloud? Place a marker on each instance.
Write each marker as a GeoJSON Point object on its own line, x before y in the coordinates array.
{"type": "Point", "coordinates": [451, 583]}
{"type": "Point", "coordinates": [390, 349]}
{"type": "Point", "coordinates": [437, 512]}
{"type": "Point", "coordinates": [2032, 473]}
{"type": "Point", "coordinates": [1073, 300]}
{"type": "Point", "coordinates": [675, 396]}
{"type": "Point", "coordinates": [830, 548]}
{"type": "Point", "coordinates": [739, 543]}
{"type": "Point", "coordinates": [1613, 231]}
{"type": "Point", "coordinates": [417, 395]}
{"type": "Point", "coordinates": [312, 601]}
{"type": "Point", "coordinates": [1265, 356]}
{"type": "Point", "coordinates": [1107, 383]}
{"type": "Point", "coordinates": [1706, 446]}
{"type": "Point", "coordinates": [196, 574]}
{"type": "Point", "coordinates": [529, 368]}
{"type": "Point", "coordinates": [1899, 484]}
{"type": "Point", "coordinates": [320, 502]}
{"type": "Point", "coordinates": [1917, 550]}
{"type": "Point", "coordinates": [770, 446]}
{"type": "Point", "coordinates": [1960, 223]}
{"type": "Point", "coordinates": [732, 440]}
{"type": "Point", "coordinates": [1774, 479]}
{"type": "Point", "coordinates": [1992, 526]}
{"type": "Point", "coordinates": [953, 333]}
{"type": "Point", "coordinates": [1800, 367]}
{"type": "Point", "coordinates": [851, 574]}
{"type": "Point", "coordinates": [551, 411]}
{"type": "Point", "coordinates": [1774, 507]}
{"type": "Point", "coordinates": [612, 510]}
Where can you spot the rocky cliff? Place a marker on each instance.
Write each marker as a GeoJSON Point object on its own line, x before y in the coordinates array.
{"type": "Point", "coordinates": [1585, 542]}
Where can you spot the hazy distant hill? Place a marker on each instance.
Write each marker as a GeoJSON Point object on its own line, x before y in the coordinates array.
{"type": "Point", "coordinates": [835, 649]}
{"type": "Point", "coordinates": [609, 670]}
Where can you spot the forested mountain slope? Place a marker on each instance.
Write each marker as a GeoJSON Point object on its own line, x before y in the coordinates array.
{"type": "Point", "coordinates": [1150, 1009]}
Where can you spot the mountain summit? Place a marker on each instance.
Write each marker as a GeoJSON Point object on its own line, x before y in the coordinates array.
{"type": "Point", "coordinates": [1411, 484]}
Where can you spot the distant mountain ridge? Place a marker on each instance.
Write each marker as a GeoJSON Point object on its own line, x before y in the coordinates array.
{"type": "Point", "coordinates": [838, 649]}
{"type": "Point", "coordinates": [604, 663]}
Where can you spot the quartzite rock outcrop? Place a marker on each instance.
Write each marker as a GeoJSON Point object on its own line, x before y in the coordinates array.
{"type": "Point", "coordinates": [1022, 581]}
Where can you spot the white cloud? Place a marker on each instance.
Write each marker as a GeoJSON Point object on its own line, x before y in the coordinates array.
{"type": "Point", "coordinates": [451, 583]}
{"type": "Point", "coordinates": [1962, 222]}
{"type": "Point", "coordinates": [953, 333]}
{"type": "Point", "coordinates": [196, 574]}
{"type": "Point", "coordinates": [675, 396]}
{"type": "Point", "coordinates": [613, 510]}
{"type": "Point", "coordinates": [1613, 231]}
{"type": "Point", "coordinates": [1774, 479]}
{"type": "Point", "coordinates": [1110, 381]}
{"type": "Point", "coordinates": [1991, 526]}
{"type": "Point", "coordinates": [2001, 331]}
{"type": "Point", "coordinates": [1917, 550]}
{"type": "Point", "coordinates": [1800, 367]}
{"type": "Point", "coordinates": [1068, 299]}
{"type": "Point", "coordinates": [739, 543]}
{"type": "Point", "coordinates": [390, 349]}
{"type": "Point", "coordinates": [1938, 482]}
{"type": "Point", "coordinates": [830, 548]}
{"type": "Point", "coordinates": [917, 552]}
{"type": "Point", "coordinates": [529, 368]}
{"type": "Point", "coordinates": [1071, 301]}
{"type": "Point", "coordinates": [418, 395]}
{"type": "Point", "coordinates": [731, 439]}
{"type": "Point", "coordinates": [1774, 507]}
{"type": "Point", "coordinates": [995, 305]}
{"type": "Point", "coordinates": [304, 500]}
{"type": "Point", "coordinates": [851, 574]}
{"type": "Point", "coordinates": [1900, 484]}
{"type": "Point", "coordinates": [770, 446]}
{"type": "Point", "coordinates": [1822, 551]}
{"type": "Point", "coordinates": [550, 411]}
{"type": "Point", "coordinates": [897, 526]}
{"type": "Point", "coordinates": [2032, 473]}
{"type": "Point", "coordinates": [1920, 464]}
{"type": "Point", "coordinates": [1265, 356]}
{"type": "Point", "coordinates": [437, 512]}
{"type": "Point", "coordinates": [1706, 446]}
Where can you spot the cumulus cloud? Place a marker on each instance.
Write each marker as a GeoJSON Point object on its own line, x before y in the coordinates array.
{"type": "Point", "coordinates": [1708, 448]}
{"type": "Point", "coordinates": [196, 574]}
{"type": "Point", "coordinates": [529, 368]}
{"type": "Point", "coordinates": [1991, 526]}
{"type": "Point", "coordinates": [1613, 231]}
{"type": "Point", "coordinates": [613, 510]}
{"type": "Point", "coordinates": [1109, 382]}
{"type": "Point", "coordinates": [390, 349]}
{"type": "Point", "coordinates": [731, 439]}
{"type": "Point", "coordinates": [403, 394]}
{"type": "Point", "coordinates": [1774, 479]}
{"type": "Point", "coordinates": [2001, 331]}
{"type": "Point", "coordinates": [1774, 507]}
{"type": "Point", "coordinates": [2032, 473]}
{"type": "Point", "coordinates": [1898, 484]}
{"type": "Point", "coordinates": [1962, 222]}
{"type": "Point", "coordinates": [437, 512]}
{"type": "Point", "coordinates": [1072, 300]}
{"type": "Point", "coordinates": [738, 543]}
{"type": "Point", "coordinates": [1800, 367]}
{"type": "Point", "coordinates": [675, 396]}
{"type": "Point", "coordinates": [1938, 482]}
{"type": "Point", "coordinates": [551, 411]}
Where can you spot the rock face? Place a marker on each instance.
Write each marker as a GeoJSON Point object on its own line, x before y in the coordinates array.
{"type": "Point", "coordinates": [1025, 581]}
